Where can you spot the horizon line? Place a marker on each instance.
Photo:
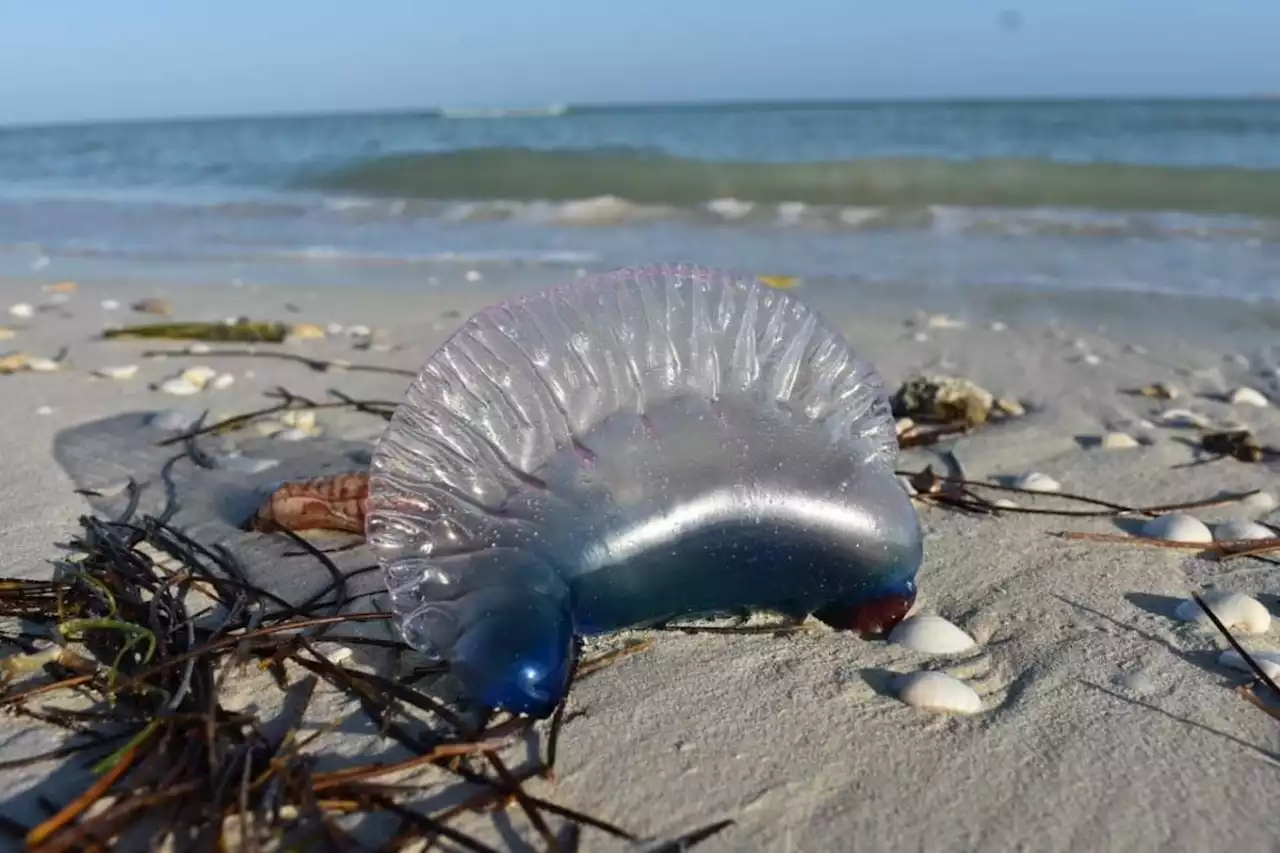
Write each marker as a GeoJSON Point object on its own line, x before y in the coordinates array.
{"type": "Point", "coordinates": [570, 107]}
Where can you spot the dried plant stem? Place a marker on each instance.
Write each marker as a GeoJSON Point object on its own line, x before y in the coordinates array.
{"type": "Point", "coordinates": [317, 364]}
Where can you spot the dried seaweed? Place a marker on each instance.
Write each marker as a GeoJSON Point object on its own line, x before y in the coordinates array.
{"type": "Point", "coordinates": [148, 676]}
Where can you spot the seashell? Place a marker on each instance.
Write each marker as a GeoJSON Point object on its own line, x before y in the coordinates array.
{"type": "Point", "coordinates": [199, 376]}
{"type": "Point", "coordinates": [22, 310]}
{"type": "Point", "coordinates": [359, 332]}
{"type": "Point", "coordinates": [1004, 503]}
{"type": "Point", "coordinates": [294, 434]}
{"type": "Point", "coordinates": [931, 635]}
{"type": "Point", "coordinates": [1183, 418]}
{"type": "Point", "coordinates": [199, 348]}
{"type": "Point", "coordinates": [173, 420]}
{"type": "Point", "coordinates": [334, 328]}
{"type": "Point", "coordinates": [39, 364]}
{"type": "Point", "coordinates": [1268, 662]}
{"type": "Point", "coordinates": [943, 399]}
{"type": "Point", "coordinates": [222, 382]}
{"type": "Point", "coordinates": [1118, 441]}
{"type": "Point", "coordinates": [1237, 531]}
{"type": "Point", "coordinates": [942, 321]}
{"type": "Point", "coordinates": [1177, 527]}
{"type": "Point", "coordinates": [110, 305]}
{"type": "Point", "coordinates": [304, 419]}
{"type": "Point", "coordinates": [123, 371]}
{"type": "Point", "coordinates": [44, 410]}
{"type": "Point", "coordinates": [1037, 482]}
{"type": "Point", "coordinates": [1248, 397]}
{"type": "Point", "coordinates": [1261, 503]}
{"type": "Point", "coordinates": [473, 275]}
{"type": "Point", "coordinates": [744, 460]}
{"type": "Point", "coordinates": [935, 691]}
{"type": "Point", "coordinates": [1091, 358]}
{"type": "Point", "coordinates": [337, 502]}
{"type": "Point", "coordinates": [997, 326]}
{"type": "Point", "coordinates": [1241, 613]}
{"type": "Point", "coordinates": [179, 387]}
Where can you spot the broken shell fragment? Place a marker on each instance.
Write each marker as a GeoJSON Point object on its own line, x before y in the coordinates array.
{"type": "Point", "coordinates": [943, 399]}
{"type": "Point", "coordinates": [198, 376]}
{"type": "Point", "coordinates": [222, 382]}
{"type": "Point", "coordinates": [931, 635]}
{"type": "Point", "coordinates": [22, 310]}
{"type": "Point", "coordinates": [1240, 613]}
{"type": "Point", "coordinates": [1177, 527]}
{"type": "Point", "coordinates": [122, 371]}
{"type": "Point", "coordinates": [1248, 397]}
{"type": "Point", "coordinates": [934, 691]}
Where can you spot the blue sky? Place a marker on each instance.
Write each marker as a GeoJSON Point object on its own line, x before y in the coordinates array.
{"type": "Point", "coordinates": [91, 59]}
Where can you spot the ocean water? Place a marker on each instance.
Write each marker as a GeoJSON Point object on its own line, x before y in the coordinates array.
{"type": "Point", "coordinates": [1166, 196]}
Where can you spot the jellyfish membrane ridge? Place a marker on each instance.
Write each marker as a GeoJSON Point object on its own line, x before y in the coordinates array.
{"type": "Point", "coordinates": [537, 435]}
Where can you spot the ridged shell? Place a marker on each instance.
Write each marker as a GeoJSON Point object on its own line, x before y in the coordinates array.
{"type": "Point", "coordinates": [1238, 612]}
{"type": "Point", "coordinates": [1177, 527]}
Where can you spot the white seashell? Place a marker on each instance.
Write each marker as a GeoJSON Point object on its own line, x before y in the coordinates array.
{"type": "Point", "coordinates": [198, 376]}
{"type": "Point", "coordinates": [222, 382]}
{"type": "Point", "coordinates": [22, 310]}
{"type": "Point", "coordinates": [1004, 503]}
{"type": "Point", "coordinates": [919, 337]}
{"type": "Point", "coordinates": [1091, 358]}
{"type": "Point", "coordinates": [1241, 613]}
{"type": "Point", "coordinates": [294, 434]}
{"type": "Point", "coordinates": [473, 275]}
{"type": "Point", "coordinates": [334, 328]}
{"type": "Point", "coordinates": [122, 371]}
{"type": "Point", "coordinates": [359, 332]}
{"type": "Point", "coordinates": [110, 305]}
{"type": "Point", "coordinates": [1268, 662]}
{"type": "Point", "coordinates": [1235, 531]}
{"type": "Point", "coordinates": [44, 410]}
{"type": "Point", "coordinates": [43, 365]}
{"type": "Point", "coordinates": [1118, 441]}
{"type": "Point", "coordinates": [199, 348]}
{"type": "Point", "coordinates": [931, 635]}
{"type": "Point", "coordinates": [1177, 527]}
{"type": "Point", "coordinates": [172, 420]}
{"type": "Point", "coordinates": [1183, 418]}
{"type": "Point", "coordinates": [1261, 503]}
{"type": "Point", "coordinates": [179, 386]}
{"type": "Point", "coordinates": [299, 418]}
{"type": "Point", "coordinates": [997, 326]}
{"type": "Point", "coordinates": [942, 321]}
{"type": "Point", "coordinates": [1037, 482]}
{"type": "Point", "coordinates": [1248, 397]}
{"type": "Point", "coordinates": [935, 691]}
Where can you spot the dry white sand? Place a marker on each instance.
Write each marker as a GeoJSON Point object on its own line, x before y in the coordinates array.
{"type": "Point", "coordinates": [796, 739]}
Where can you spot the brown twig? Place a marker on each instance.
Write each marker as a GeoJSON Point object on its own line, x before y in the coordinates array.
{"type": "Point", "coordinates": [318, 364]}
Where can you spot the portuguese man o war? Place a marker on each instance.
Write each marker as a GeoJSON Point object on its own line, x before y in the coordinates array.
{"type": "Point", "coordinates": [639, 446]}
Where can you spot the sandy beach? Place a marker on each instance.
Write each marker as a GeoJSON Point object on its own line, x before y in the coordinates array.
{"type": "Point", "coordinates": [1106, 723]}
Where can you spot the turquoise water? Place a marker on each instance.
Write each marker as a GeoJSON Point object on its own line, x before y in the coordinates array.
{"type": "Point", "coordinates": [1157, 195]}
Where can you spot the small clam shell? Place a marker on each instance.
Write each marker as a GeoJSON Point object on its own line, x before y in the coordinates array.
{"type": "Point", "coordinates": [222, 382]}
{"type": "Point", "coordinates": [931, 635]}
{"type": "Point", "coordinates": [179, 386]}
{"type": "Point", "coordinates": [1261, 503]}
{"type": "Point", "coordinates": [1240, 613]}
{"type": "Point", "coordinates": [1177, 527]}
{"type": "Point", "coordinates": [23, 310]}
{"type": "Point", "coordinates": [1234, 531]}
{"type": "Point", "coordinates": [473, 275]}
{"type": "Point", "coordinates": [199, 376]}
{"type": "Point", "coordinates": [42, 365]}
{"type": "Point", "coordinates": [1248, 397]}
{"type": "Point", "coordinates": [1037, 482]}
{"type": "Point", "coordinates": [1118, 441]}
{"type": "Point", "coordinates": [199, 348]}
{"type": "Point", "coordinates": [1183, 418]}
{"type": "Point", "coordinates": [121, 371]}
{"type": "Point", "coordinates": [1005, 503]}
{"type": "Point", "coordinates": [304, 419]}
{"type": "Point", "coordinates": [1268, 662]}
{"type": "Point", "coordinates": [110, 305]}
{"type": "Point", "coordinates": [934, 691]}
